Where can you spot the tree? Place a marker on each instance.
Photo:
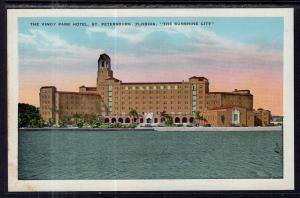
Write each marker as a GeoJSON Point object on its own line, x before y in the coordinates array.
{"type": "Point", "coordinates": [79, 120]}
{"type": "Point", "coordinates": [97, 122]}
{"type": "Point", "coordinates": [29, 116]}
{"type": "Point", "coordinates": [163, 114]}
{"type": "Point", "coordinates": [133, 113]}
{"type": "Point", "coordinates": [61, 123]}
{"type": "Point", "coordinates": [168, 119]}
{"type": "Point", "coordinates": [200, 117]}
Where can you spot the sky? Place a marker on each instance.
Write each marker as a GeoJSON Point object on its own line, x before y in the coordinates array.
{"type": "Point", "coordinates": [232, 52]}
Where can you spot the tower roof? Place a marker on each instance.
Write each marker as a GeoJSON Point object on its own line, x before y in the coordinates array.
{"type": "Point", "coordinates": [104, 56]}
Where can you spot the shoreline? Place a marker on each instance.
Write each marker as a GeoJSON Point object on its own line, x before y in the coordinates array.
{"type": "Point", "coordinates": [161, 129]}
{"type": "Point", "coordinates": [271, 128]}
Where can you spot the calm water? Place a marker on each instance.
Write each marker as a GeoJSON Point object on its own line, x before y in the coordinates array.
{"type": "Point", "coordinates": [149, 155]}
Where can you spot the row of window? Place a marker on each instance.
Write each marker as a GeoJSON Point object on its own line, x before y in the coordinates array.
{"type": "Point", "coordinates": [45, 112]}
{"type": "Point", "coordinates": [212, 102]}
{"type": "Point", "coordinates": [85, 108]}
{"type": "Point", "coordinates": [194, 99]}
{"type": "Point", "coordinates": [151, 102]}
{"type": "Point", "coordinates": [151, 92]}
{"type": "Point", "coordinates": [152, 108]}
{"type": "Point", "coordinates": [45, 102]}
{"type": "Point", "coordinates": [152, 97]}
{"type": "Point", "coordinates": [110, 98]}
{"type": "Point", "coordinates": [45, 107]}
{"type": "Point", "coordinates": [45, 96]}
{"type": "Point", "coordinates": [80, 97]}
{"type": "Point", "coordinates": [155, 87]}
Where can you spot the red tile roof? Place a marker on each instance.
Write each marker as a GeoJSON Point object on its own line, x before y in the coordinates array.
{"type": "Point", "coordinates": [48, 87]}
{"type": "Point", "coordinates": [198, 77]}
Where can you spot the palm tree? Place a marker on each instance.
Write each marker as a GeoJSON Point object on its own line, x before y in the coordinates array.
{"type": "Point", "coordinates": [133, 113]}
{"type": "Point", "coordinates": [200, 117]}
{"type": "Point", "coordinates": [167, 118]}
{"type": "Point", "coordinates": [163, 115]}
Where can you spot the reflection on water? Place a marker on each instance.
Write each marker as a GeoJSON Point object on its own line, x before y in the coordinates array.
{"type": "Point", "coordinates": [149, 155]}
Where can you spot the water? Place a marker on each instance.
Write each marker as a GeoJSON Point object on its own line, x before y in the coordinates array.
{"type": "Point", "coordinates": [149, 155]}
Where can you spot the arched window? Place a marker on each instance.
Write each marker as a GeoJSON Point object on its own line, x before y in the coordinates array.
{"type": "Point", "coordinates": [113, 120]}
{"type": "Point", "coordinates": [106, 120]}
{"type": "Point", "coordinates": [120, 120]}
{"type": "Point", "coordinates": [177, 120]}
{"type": "Point", "coordinates": [184, 120]}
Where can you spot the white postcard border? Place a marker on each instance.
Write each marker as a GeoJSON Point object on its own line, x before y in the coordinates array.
{"type": "Point", "coordinates": [287, 183]}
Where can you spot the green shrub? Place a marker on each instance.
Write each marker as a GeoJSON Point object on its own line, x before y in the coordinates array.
{"type": "Point", "coordinates": [61, 123]}
{"type": "Point", "coordinates": [104, 126]}
{"type": "Point", "coordinates": [168, 122]}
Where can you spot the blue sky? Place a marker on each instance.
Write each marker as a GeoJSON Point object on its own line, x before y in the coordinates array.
{"type": "Point", "coordinates": [267, 31]}
{"type": "Point", "coordinates": [244, 47]}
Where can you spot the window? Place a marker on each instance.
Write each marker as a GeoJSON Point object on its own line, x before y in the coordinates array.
{"type": "Point", "coordinates": [235, 117]}
{"type": "Point", "coordinates": [110, 98]}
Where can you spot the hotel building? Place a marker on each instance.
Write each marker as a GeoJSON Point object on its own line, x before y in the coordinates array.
{"type": "Point", "coordinates": [112, 99]}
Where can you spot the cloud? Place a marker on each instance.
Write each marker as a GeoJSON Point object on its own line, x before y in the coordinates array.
{"type": "Point", "coordinates": [49, 50]}
{"type": "Point", "coordinates": [203, 48]}
{"type": "Point", "coordinates": [226, 63]}
{"type": "Point", "coordinates": [139, 34]}
{"type": "Point", "coordinates": [132, 34]}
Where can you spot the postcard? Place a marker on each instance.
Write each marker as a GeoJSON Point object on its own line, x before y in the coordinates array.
{"type": "Point", "coordinates": [150, 99]}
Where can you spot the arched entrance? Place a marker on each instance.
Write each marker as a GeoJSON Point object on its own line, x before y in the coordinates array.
{"type": "Point", "coordinates": [162, 119]}
{"type": "Point", "coordinates": [113, 120]}
{"type": "Point", "coordinates": [149, 120]}
{"type": "Point", "coordinates": [184, 120]}
{"type": "Point", "coordinates": [155, 120]}
{"type": "Point", "coordinates": [149, 117]}
{"type": "Point", "coordinates": [120, 120]}
{"type": "Point", "coordinates": [106, 120]}
{"type": "Point", "coordinates": [141, 120]}
{"type": "Point", "coordinates": [127, 120]}
{"type": "Point", "coordinates": [177, 120]}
